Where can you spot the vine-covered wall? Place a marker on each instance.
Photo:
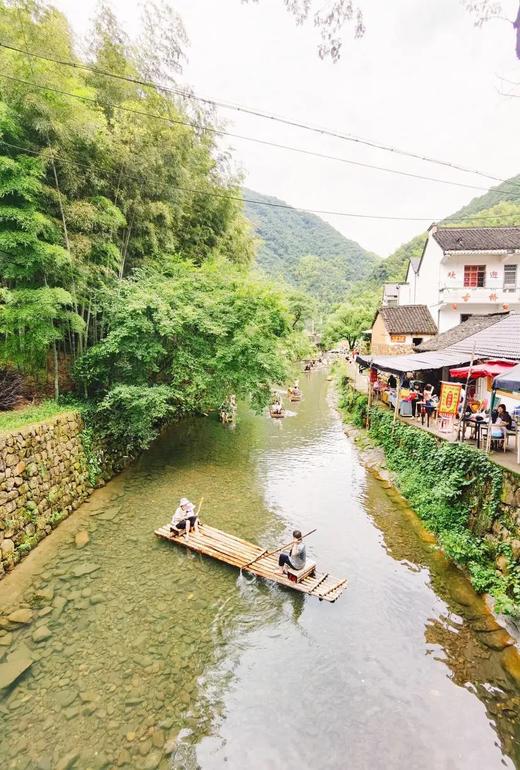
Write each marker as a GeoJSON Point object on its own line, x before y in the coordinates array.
{"type": "Point", "coordinates": [469, 502]}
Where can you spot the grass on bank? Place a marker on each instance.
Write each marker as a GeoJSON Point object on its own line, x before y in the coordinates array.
{"type": "Point", "coordinates": [33, 413]}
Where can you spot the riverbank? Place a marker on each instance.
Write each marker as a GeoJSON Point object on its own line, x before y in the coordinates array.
{"type": "Point", "coordinates": [464, 500]}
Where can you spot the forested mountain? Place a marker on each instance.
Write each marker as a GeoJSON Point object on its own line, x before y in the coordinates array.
{"type": "Point", "coordinates": [306, 251]}
{"type": "Point", "coordinates": [499, 206]}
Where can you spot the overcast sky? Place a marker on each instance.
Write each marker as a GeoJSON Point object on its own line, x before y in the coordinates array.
{"type": "Point", "coordinates": [423, 80]}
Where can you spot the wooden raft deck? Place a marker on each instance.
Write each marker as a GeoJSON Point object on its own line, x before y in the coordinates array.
{"type": "Point", "coordinates": [237, 552]}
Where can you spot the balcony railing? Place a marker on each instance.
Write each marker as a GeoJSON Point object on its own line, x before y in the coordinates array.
{"type": "Point", "coordinates": [490, 294]}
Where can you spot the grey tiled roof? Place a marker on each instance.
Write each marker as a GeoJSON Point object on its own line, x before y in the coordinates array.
{"type": "Point", "coordinates": [408, 319]}
{"type": "Point", "coordinates": [477, 238]}
{"type": "Point", "coordinates": [474, 324]}
{"type": "Point", "coordinates": [499, 340]}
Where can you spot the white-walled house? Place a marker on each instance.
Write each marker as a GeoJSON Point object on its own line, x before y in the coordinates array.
{"type": "Point", "coordinates": [463, 271]}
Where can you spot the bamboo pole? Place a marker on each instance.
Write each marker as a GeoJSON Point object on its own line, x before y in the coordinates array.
{"type": "Point", "coordinates": [398, 397]}
{"type": "Point", "coordinates": [464, 401]}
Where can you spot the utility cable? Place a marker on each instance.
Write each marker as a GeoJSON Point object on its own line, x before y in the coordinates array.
{"type": "Point", "coordinates": [225, 195]}
{"type": "Point", "coordinates": [265, 142]}
{"type": "Point", "coordinates": [258, 113]}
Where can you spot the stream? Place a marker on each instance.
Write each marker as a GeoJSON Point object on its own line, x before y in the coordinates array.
{"type": "Point", "coordinates": [145, 655]}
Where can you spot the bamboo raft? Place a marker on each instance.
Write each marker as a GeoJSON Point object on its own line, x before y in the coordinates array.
{"type": "Point", "coordinates": [239, 553]}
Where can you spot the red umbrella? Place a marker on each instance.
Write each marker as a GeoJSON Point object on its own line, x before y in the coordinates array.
{"type": "Point", "coordinates": [486, 369]}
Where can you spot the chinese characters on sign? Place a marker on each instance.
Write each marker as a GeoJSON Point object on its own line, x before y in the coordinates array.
{"type": "Point", "coordinates": [452, 274]}
{"type": "Point", "coordinates": [493, 297]}
{"type": "Point", "coordinates": [449, 399]}
{"type": "Point", "coordinates": [493, 274]}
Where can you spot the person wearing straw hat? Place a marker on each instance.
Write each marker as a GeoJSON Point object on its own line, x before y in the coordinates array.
{"type": "Point", "coordinates": [184, 518]}
{"type": "Point", "coordinates": [296, 557]}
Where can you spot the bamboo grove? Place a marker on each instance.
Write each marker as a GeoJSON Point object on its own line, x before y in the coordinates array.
{"type": "Point", "coordinates": [125, 258]}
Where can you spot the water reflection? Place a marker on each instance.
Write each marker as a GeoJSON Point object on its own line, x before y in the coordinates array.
{"type": "Point", "coordinates": [144, 654]}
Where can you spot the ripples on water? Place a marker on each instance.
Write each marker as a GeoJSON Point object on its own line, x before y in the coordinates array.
{"type": "Point", "coordinates": [161, 658]}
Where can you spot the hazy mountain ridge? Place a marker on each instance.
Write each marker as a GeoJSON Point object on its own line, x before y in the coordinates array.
{"type": "Point", "coordinates": [305, 250]}
{"type": "Point", "coordinates": [500, 205]}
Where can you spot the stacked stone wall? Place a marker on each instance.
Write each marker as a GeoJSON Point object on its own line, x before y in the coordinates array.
{"type": "Point", "coordinates": [43, 478]}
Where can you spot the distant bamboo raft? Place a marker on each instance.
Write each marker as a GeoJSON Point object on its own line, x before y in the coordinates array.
{"type": "Point", "coordinates": [239, 553]}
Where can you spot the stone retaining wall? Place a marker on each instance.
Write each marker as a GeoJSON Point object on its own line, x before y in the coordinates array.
{"type": "Point", "coordinates": [43, 478]}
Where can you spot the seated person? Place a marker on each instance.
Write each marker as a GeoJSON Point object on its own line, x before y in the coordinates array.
{"type": "Point", "coordinates": [428, 394]}
{"type": "Point", "coordinates": [296, 557]}
{"type": "Point", "coordinates": [502, 423]}
{"type": "Point", "coordinates": [276, 407]}
{"type": "Point", "coordinates": [295, 390]}
{"type": "Point", "coordinates": [184, 518]}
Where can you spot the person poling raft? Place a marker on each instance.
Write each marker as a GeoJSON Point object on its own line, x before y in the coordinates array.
{"type": "Point", "coordinates": [263, 563]}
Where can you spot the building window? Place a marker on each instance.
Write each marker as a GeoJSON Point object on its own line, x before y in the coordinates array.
{"type": "Point", "coordinates": [392, 302]}
{"type": "Point", "coordinates": [510, 277]}
{"type": "Point", "coordinates": [398, 337]}
{"type": "Point", "coordinates": [417, 340]}
{"type": "Point", "coordinates": [474, 276]}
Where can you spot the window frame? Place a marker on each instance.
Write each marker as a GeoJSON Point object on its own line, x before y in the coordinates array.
{"type": "Point", "coordinates": [511, 286]}
{"type": "Point", "coordinates": [473, 274]}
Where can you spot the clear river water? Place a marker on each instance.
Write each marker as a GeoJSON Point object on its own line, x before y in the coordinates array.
{"type": "Point", "coordinates": [153, 657]}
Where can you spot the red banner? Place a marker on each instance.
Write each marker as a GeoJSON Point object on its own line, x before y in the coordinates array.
{"type": "Point", "coordinates": [449, 398]}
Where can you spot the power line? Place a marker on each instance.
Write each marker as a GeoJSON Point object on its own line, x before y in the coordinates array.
{"type": "Point", "coordinates": [265, 142]}
{"type": "Point", "coordinates": [227, 196]}
{"type": "Point", "coordinates": [257, 113]}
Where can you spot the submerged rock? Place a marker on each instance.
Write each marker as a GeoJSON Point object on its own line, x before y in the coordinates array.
{"type": "Point", "coordinates": [45, 594]}
{"type": "Point", "coordinates": [23, 616]}
{"type": "Point", "coordinates": [15, 665]}
{"type": "Point", "coordinates": [81, 538]}
{"type": "Point", "coordinates": [41, 634]}
{"type": "Point", "coordinates": [66, 697]}
{"type": "Point", "coordinates": [66, 762]}
{"type": "Point", "coordinates": [84, 569]}
{"type": "Point", "coordinates": [496, 640]}
{"type": "Point", "coordinates": [511, 663]}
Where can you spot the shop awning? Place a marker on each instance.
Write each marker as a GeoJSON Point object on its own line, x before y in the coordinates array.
{"type": "Point", "coordinates": [486, 369]}
{"type": "Point", "coordinates": [415, 362]}
{"type": "Point", "coordinates": [510, 380]}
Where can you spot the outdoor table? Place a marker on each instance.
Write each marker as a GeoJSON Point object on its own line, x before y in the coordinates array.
{"type": "Point", "coordinates": [425, 409]}
{"type": "Point", "coordinates": [476, 424]}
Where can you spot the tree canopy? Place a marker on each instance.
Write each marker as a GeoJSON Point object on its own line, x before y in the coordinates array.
{"type": "Point", "coordinates": [124, 252]}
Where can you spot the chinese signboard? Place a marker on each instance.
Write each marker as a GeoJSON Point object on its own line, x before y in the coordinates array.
{"type": "Point", "coordinates": [449, 398]}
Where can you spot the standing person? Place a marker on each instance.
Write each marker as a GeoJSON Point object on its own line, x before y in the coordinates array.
{"type": "Point", "coordinates": [184, 518]}
{"type": "Point", "coordinates": [296, 557]}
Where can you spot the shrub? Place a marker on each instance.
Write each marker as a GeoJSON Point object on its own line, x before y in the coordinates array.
{"type": "Point", "coordinates": [454, 488]}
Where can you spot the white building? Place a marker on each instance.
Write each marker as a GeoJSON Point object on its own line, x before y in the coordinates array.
{"type": "Point", "coordinates": [463, 271]}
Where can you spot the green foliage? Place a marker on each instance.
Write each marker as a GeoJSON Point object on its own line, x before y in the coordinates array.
{"type": "Point", "coordinates": [129, 415]}
{"type": "Point", "coordinates": [93, 460]}
{"type": "Point", "coordinates": [179, 341]}
{"type": "Point", "coordinates": [351, 318]}
{"type": "Point", "coordinates": [306, 251]}
{"type": "Point", "coordinates": [455, 489]}
{"type": "Point", "coordinates": [89, 192]}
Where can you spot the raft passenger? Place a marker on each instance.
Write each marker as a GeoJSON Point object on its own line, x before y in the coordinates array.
{"type": "Point", "coordinates": [185, 518]}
